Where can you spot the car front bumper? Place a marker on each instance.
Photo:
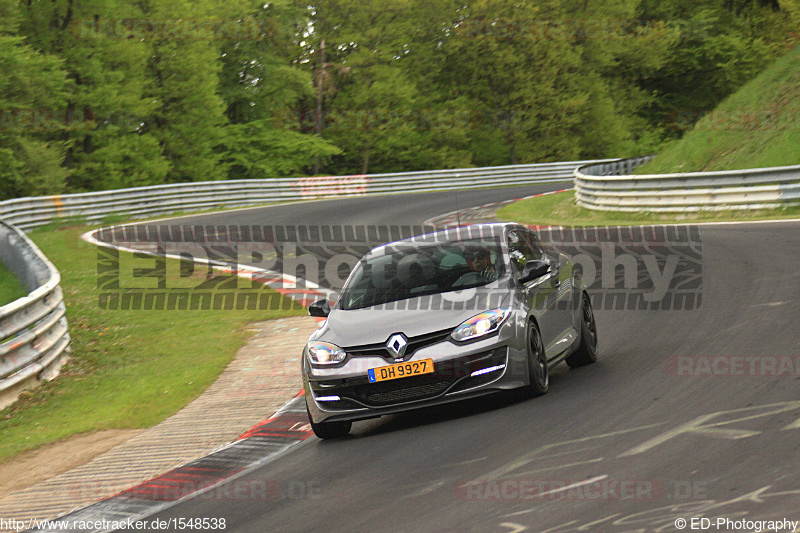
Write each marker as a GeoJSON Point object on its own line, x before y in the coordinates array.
{"type": "Point", "coordinates": [353, 398]}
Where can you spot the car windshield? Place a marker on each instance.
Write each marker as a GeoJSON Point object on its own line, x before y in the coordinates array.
{"type": "Point", "coordinates": [407, 270]}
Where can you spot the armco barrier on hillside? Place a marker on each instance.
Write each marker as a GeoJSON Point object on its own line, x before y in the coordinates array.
{"type": "Point", "coordinates": [27, 213]}
{"type": "Point", "coordinates": [610, 186]}
{"type": "Point", "coordinates": [34, 340]}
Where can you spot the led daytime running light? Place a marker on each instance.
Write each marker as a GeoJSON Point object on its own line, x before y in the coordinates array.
{"type": "Point", "coordinates": [487, 370]}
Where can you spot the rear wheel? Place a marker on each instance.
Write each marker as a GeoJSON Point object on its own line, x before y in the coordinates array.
{"type": "Point", "coordinates": [537, 362]}
{"type": "Point", "coordinates": [329, 430]}
{"type": "Point", "coordinates": [587, 351]}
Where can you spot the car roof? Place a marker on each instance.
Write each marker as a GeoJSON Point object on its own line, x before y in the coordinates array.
{"type": "Point", "coordinates": [454, 234]}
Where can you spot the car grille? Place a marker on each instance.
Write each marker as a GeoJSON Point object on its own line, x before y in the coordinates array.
{"type": "Point", "coordinates": [414, 344]}
{"type": "Point", "coordinates": [406, 393]}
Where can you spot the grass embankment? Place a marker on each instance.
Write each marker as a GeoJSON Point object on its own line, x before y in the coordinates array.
{"type": "Point", "coordinates": [560, 209]}
{"type": "Point", "coordinates": [757, 126]}
{"type": "Point", "coordinates": [10, 288]}
{"type": "Point", "coordinates": [129, 369]}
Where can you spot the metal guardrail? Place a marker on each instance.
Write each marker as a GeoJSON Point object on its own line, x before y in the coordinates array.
{"type": "Point", "coordinates": [34, 341]}
{"type": "Point", "coordinates": [28, 213]}
{"type": "Point", "coordinates": [610, 186]}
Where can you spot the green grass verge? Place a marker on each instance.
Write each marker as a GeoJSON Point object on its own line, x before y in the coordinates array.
{"type": "Point", "coordinates": [129, 369]}
{"type": "Point", "coordinates": [757, 126]}
{"type": "Point", "coordinates": [560, 209]}
{"type": "Point", "coordinates": [10, 288]}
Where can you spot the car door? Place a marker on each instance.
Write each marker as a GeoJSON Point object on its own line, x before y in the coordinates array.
{"type": "Point", "coordinates": [541, 294]}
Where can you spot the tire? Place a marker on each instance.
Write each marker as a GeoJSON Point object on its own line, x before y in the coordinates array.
{"type": "Point", "coordinates": [538, 372]}
{"type": "Point", "coordinates": [587, 350]}
{"type": "Point", "coordinates": [329, 430]}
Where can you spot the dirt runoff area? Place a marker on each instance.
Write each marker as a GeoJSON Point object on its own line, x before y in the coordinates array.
{"type": "Point", "coordinates": [28, 468]}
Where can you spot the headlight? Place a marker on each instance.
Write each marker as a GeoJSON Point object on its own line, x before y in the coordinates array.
{"type": "Point", "coordinates": [481, 325]}
{"type": "Point", "coordinates": [324, 353]}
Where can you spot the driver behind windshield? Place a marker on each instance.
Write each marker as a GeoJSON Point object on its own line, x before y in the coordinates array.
{"type": "Point", "coordinates": [479, 261]}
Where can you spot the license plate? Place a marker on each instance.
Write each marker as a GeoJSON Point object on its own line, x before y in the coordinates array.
{"type": "Point", "coordinates": [400, 370]}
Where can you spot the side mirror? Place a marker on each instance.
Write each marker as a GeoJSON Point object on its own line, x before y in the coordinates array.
{"type": "Point", "coordinates": [320, 308]}
{"type": "Point", "coordinates": [534, 269]}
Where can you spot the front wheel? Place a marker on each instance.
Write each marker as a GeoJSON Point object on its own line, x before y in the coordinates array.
{"type": "Point", "coordinates": [329, 430]}
{"type": "Point", "coordinates": [537, 362]}
{"type": "Point", "coordinates": [587, 351]}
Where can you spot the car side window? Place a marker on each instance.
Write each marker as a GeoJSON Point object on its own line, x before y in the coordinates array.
{"type": "Point", "coordinates": [520, 250]}
{"type": "Point", "coordinates": [536, 244]}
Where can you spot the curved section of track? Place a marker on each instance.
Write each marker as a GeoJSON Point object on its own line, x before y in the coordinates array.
{"type": "Point", "coordinates": [631, 443]}
{"type": "Point", "coordinates": [398, 209]}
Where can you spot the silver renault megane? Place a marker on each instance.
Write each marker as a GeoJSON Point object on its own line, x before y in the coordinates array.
{"type": "Point", "coordinates": [442, 317]}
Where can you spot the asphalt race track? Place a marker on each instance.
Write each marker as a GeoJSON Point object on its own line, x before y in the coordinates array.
{"type": "Point", "coordinates": [631, 443]}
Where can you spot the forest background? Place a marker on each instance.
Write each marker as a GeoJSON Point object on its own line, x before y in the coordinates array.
{"type": "Point", "coordinates": [106, 94]}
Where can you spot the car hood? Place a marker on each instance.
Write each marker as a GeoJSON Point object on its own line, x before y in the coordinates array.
{"type": "Point", "coordinates": [412, 317]}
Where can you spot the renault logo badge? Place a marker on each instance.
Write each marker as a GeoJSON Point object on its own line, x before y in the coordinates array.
{"type": "Point", "coordinates": [397, 345]}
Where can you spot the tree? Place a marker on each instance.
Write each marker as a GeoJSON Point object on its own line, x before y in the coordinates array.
{"type": "Point", "coordinates": [719, 48]}
{"type": "Point", "coordinates": [262, 89]}
{"type": "Point", "coordinates": [372, 107]}
{"type": "Point", "coordinates": [33, 90]}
